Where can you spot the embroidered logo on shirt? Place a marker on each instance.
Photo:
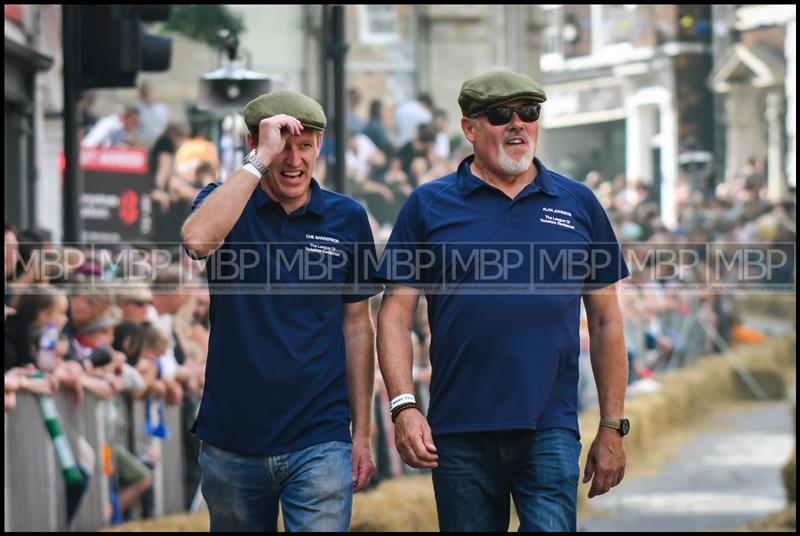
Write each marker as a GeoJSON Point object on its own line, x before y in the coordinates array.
{"type": "Point", "coordinates": [557, 216]}
{"type": "Point", "coordinates": [323, 248]}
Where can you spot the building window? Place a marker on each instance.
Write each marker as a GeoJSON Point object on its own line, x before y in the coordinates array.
{"type": "Point", "coordinates": [551, 33]}
{"type": "Point", "coordinates": [613, 25]}
{"type": "Point", "coordinates": [377, 24]}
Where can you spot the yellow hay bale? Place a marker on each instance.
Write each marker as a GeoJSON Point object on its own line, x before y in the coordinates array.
{"type": "Point", "coordinates": [778, 306]}
{"type": "Point", "coordinates": [771, 380]}
{"type": "Point", "coordinates": [637, 411]}
{"type": "Point", "coordinates": [790, 478]}
{"type": "Point", "coordinates": [786, 351]}
{"type": "Point", "coordinates": [172, 523]}
{"type": "Point", "coordinates": [790, 469]}
{"type": "Point", "coordinates": [399, 505]}
{"type": "Point", "coordinates": [782, 521]}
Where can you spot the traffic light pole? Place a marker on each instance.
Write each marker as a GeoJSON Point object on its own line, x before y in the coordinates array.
{"type": "Point", "coordinates": [325, 37]}
{"type": "Point", "coordinates": [73, 180]}
{"type": "Point", "coordinates": [339, 51]}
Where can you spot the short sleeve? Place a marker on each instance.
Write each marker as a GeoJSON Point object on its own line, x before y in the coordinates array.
{"type": "Point", "coordinates": [608, 262]}
{"type": "Point", "coordinates": [361, 282]}
{"type": "Point", "coordinates": [400, 260]}
{"type": "Point", "coordinates": [205, 192]}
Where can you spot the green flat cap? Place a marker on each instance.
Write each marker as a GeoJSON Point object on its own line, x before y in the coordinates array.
{"type": "Point", "coordinates": [308, 111]}
{"type": "Point", "coordinates": [497, 87]}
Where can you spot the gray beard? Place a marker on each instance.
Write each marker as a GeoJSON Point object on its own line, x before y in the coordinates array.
{"type": "Point", "coordinates": [515, 166]}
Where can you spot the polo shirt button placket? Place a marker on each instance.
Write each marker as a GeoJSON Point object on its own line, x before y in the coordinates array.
{"type": "Point", "coordinates": [284, 225]}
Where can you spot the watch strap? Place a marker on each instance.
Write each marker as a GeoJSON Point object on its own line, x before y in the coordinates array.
{"type": "Point", "coordinates": [620, 425]}
{"type": "Point", "coordinates": [611, 423]}
{"type": "Point", "coordinates": [252, 169]}
{"type": "Point", "coordinates": [253, 160]}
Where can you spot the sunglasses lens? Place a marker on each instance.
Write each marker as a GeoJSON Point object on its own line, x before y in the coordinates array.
{"type": "Point", "coordinates": [501, 115]}
{"type": "Point", "coordinates": [529, 113]}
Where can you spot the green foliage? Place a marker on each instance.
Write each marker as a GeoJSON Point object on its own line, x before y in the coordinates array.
{"type": "Point", "coordinates": [203, 22]}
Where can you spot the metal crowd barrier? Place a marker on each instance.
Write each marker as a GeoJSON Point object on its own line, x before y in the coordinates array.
{"type": "Point", "coordinates": [685, 326]}
{"type": "Point", "coordinates": [35, 493]}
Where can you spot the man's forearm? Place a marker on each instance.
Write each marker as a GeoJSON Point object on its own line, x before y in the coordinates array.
{"type": "Point", "coordinates": [395, 355]}
{"type": "Point", "coordinates": [360, 343]}
{"type": "Point", "coordinates": [610, 365]}
{"type": "Point", "coordinates": [211, 222]}
{"type": "Point", "coordinates": [163, 171]}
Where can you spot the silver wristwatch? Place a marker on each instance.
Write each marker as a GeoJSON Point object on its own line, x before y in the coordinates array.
{"type": "Point", "coordinates": [253, 159]}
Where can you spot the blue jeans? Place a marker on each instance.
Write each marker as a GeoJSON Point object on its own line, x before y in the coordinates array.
{"type": "Point", "coordinates": [477, 472]}
{"type": "Point", "coordinates": [314, 487]}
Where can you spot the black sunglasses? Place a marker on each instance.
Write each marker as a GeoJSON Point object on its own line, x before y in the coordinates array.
{"type": "Point", "coordinates": [501, 115]}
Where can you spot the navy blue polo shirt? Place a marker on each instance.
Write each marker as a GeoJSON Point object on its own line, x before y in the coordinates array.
{"type": "Point", "coordinates": [275, 376]}
{"type": "Point", "coordinates": [504, 280]}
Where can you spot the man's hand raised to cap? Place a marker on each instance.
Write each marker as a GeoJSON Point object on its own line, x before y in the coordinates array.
{"type": "Point", "coordinates": [272, 134]}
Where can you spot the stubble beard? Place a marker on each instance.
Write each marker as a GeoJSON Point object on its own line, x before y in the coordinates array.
{"type": "Point", "coordinates": [515, 166]}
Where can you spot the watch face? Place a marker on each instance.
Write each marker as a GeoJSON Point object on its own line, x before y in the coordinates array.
{"type": "Point", "coordinates": [624, 426]}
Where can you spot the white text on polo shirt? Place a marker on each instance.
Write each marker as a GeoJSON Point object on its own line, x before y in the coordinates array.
{"type": "Point", "coordinates": [327, 250]}
{"type": "Point", "coordinates": [322, 248]}
{"type": "Point", "coordinates": [323, 238]}
{"type": "Point", "coordinates": [556, 220]}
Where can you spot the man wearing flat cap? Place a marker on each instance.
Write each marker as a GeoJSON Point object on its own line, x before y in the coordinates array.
{"type": "Point", "coordinates": [505, 250]}
{"type": "Point", "coordinates": [291, 353]}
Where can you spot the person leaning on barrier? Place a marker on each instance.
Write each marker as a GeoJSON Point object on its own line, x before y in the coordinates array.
{"type": "Point", "coordinates": [503, 416]}
{"type": "Point", "coordinates": [282, 366]}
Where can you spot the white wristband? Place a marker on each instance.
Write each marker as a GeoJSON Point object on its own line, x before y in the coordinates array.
{"type": "Point", "coordinates": [402, 399]}
{"type": "Point", "coordinates": [252, 169]}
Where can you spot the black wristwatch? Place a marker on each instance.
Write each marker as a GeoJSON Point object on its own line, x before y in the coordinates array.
{"type": "Point", "coordinates": [623, 426]}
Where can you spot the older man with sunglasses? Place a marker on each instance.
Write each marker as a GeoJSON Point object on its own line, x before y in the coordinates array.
{"type": "Point", "coordinates": [505, 250]}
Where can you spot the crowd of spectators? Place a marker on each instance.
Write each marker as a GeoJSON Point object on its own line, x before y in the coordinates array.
{"type": "Point", "coordinates": [182, 160]}
{"type": "Point", "coordinates": [141, 336]}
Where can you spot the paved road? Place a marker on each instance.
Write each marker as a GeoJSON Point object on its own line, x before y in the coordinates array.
{"type": "Point", "coordinates": [726, 475]}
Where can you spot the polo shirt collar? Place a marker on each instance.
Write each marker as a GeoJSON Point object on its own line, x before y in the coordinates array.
{"type": "Point", "coordinates": [544, 180]}
{"type": "Point", "coordinates": [315, 205]}
{"type": "Point", "coordinates": [468, 183]}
